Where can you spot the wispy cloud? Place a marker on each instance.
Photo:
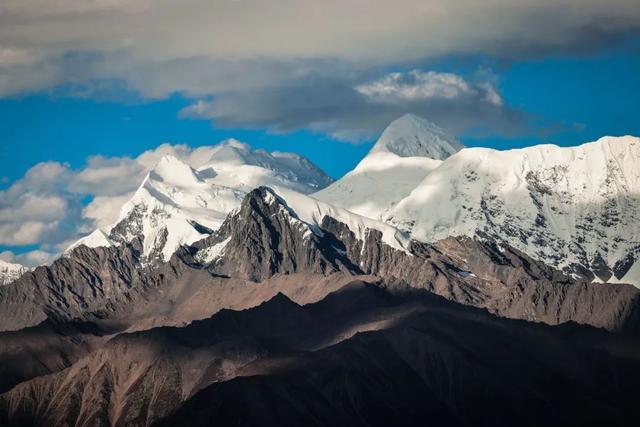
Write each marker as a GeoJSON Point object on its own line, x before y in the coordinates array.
{"type": "Point", "coordinates": [419, 85]}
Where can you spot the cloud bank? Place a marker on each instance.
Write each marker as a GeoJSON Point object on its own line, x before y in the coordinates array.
{"type": "Point", "coordinates": [287, 64]}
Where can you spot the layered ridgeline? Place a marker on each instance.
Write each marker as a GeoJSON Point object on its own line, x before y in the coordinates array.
{"type": "Point", "coordinates": [280, 236]}
{"type": "Point", "coordinates": [361, 356]}
{"type": "Point", "coordinates": [383, 341]}
{"type": "Point", "coordinates": [176, 204]}
{"type": "Point", "coordinates": [574, 208]}
{"type": "Point", "coordinates": [10, 271]}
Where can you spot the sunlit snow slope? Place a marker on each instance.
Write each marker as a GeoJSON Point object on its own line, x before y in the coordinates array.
{"type": "Point", "coordinates": [311, 212]}
{"type": "Point", "coordinates": [575, 208]}
{"type": "Point", "coordinates": [408, 149]}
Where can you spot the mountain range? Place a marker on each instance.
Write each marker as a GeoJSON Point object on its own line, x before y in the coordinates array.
{"type": "Point", "coordinates": [463, 286]}
{"type": "Point", "coordinates": [574, 208]}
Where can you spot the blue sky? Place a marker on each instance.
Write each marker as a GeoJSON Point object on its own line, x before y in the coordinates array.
{"type": "Point", "coordinates": [571, 100]}
{"type": "Point", "coordinates": [87, 87]}
{"type": "Point", "coordinates": [41, 128]}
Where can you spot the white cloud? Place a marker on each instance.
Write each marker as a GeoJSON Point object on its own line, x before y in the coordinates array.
{"type": "Point", "coordinates": [103, 211]}
{"type": "Point", "coordinates": [23, 233]}
{"type": "Point", "coordinates": [104, 176]}
{"type": "Point", "coordinates": [418, 85]}
{"type": "Point", "coordinates": [29, 258]}
{"type": "Point", "coordinates": [35, 207]}
{"type": "Point", "coordinates": [8, 256]}
{"type": "Point", "coordinates": [36, 257]}
{"type": "Point", "coordinates": [13, 57]}
{"type": "Point", "coordinates": [31, 209]}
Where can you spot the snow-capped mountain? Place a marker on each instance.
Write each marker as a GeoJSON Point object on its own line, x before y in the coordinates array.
{"type": "Point", "coordinates": [176, 204]}
{"type": "Point", "coordinates": [10, 271]}
{"type": "Point", "coordinates": [575, 208]}
{"type": "Point", "coordinates": [408, 149]}
{"type": "Point", "coordinates": [413, 136]}
{"type": "Point", "coordinates": [310, 212]}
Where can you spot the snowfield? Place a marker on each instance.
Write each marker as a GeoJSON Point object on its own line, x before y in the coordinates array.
{"type": "Point", "coordinates": [10, 271]}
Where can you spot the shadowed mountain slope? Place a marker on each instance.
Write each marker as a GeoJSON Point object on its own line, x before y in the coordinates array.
{"type": "Point", "coordinates": [374, 355]}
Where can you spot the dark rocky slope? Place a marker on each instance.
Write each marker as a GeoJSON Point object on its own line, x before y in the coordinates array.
{"type": "Point", "coordinates": [361, 356]}
{"type": "Point", "coordinates": [44, 349]}
{"type": "Point", "coordinates": [437, 369]}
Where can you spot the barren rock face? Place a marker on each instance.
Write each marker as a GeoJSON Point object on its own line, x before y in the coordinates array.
{"type": "Point", "coordinates": [266, 238]}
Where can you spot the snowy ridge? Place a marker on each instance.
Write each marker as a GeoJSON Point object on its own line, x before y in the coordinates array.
{"type": "Point", "coordinates": [311, 211]}
{"type": "Point", "coordinates": [236, 165]}
{"type": "Point", "coordinates": [407, 151]}
{"type": "Point", "coordinates": [10, 272]}
{"type": "Point", "coordinates": [177, 205]}
{"type": "Point", "coordinates": [575, 208]}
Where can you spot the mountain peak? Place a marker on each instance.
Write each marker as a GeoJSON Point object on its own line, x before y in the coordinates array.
{"type": "Point", "coordinates": [231, 152]}
{"type": "Point", "coordinates": [174, 171]}
{"type": "Point", "coordinates": [176, 204]}
{"type": "Point", "coordinates": [413, 136]}
{"type": "Point", "coordinates": [232, 142]}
